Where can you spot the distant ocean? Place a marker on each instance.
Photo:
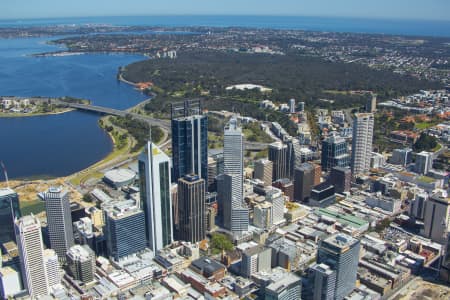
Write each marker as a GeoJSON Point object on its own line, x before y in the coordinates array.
{"type": "Point", "coordinates": [380, 26]}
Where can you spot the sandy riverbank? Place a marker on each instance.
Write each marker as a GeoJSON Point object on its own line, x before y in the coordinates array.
{"type": "Point", "coordinates": [22, 115]}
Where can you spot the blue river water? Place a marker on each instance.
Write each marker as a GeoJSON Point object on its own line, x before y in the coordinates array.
{"type": "Point", "coordinates": [58, 145]}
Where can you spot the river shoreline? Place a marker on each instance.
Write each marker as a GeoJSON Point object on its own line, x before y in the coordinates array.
{"type": "Point", "coordinates": [23, 115]}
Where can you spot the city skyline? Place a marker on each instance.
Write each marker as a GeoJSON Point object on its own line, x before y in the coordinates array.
{"type": "Point", "coordinates": [416, 10]}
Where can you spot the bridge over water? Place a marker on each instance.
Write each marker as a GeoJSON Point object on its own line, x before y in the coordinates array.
{"type": "Point", "coordinates": [164, 124]}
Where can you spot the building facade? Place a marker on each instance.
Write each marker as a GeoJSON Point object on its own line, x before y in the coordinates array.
{"type": "Point", "coordinates": [436, 218]}
{"type": "Point", "coordinates": [155, 190]}
{"type": "Point", "coordinates": [59, 221]}
{"type": "Point", "coordinates": [191, 209]}
{"type": "Point", "coordinates": [341, 253]}
{"type": "Point", "coordinates": [31, 252]}
{"type": "Point", "coordinates": [362, 143]}
{"type": "Point", "coordinates": [81, 263]}
{"type": "Point", "coordinates": [189, 140]}
{"type": "Point", "coordinates": [125, 229]}
{"type": "Point", "coordinates": [231, 184]}
{"type": "Point", "coordinates": [263, 171]}
{"type": "Point", "coordinates": [334, 153]}
{"type": "Point", "coordinates": [303, 182]}
{"type": "Point", "coordinates": [9, 210]}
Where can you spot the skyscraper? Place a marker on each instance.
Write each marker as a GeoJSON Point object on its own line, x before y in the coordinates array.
{"type": "Point", "coordinates": [304, 182]}
{"type": "Point", "coordinates": [125, 229]}
{"type": "Point", "coordinates": [189, 140]}
{"type": "Point", "coordinates": [324, 282]}
{"type": "Point", "coordinates": [292, 106]}
{"type": "Point", "coordinates": [81, 263]}
{"type": "Point", "coordinates": [334, 153]}
{"type": "Point", "coordinates": [155, 190]}
{"type": "Point", "coordinates": [371, 105]}
{"type": "Point", "coordinates": [59, 221]}
{"type": "Point", "coordinates": [231, 191]}
{"type": "Point", "coordinates": [263, 171]}
{"type": "Point", "coordinates": [424, 162]}
{"type": "Point", "coordinates": [31, 251]}
{"type": "Point", "coordinates": [9, 210]}
{"type": "Point", "coordinates": [436, 218]}
{"type": "Point", "coordinates": [341, 253]}
{"type": "Point", "coordinates": [280, 156]}
{"type": "Point", "coordinates": [191, 209]}
{"type": "Point", "coordinates": [52, 267]}
{"type": "Point", "coordinates": [362, 143]}
{"type": "Point", "coordinates": [341, 179]}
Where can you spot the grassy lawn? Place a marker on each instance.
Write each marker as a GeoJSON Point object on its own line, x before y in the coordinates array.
{"type": "Point", "coordinates": [423, 125]}
{"type": "Point", "coordinates": [28, 207]}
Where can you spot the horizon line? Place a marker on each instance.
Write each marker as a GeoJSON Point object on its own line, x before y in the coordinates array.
{"type": "Point", "coordinates": [374, 18]}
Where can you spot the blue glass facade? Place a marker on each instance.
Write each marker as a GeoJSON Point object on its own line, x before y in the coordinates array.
{"type": "Point", "coordinates": [125, 234]}
{"type": "Point", "coordinates": [334, 154]}
{"type": "Point", "coordinates": [190, 146]}
{"type": "Point", "coordinates": [9, 210]}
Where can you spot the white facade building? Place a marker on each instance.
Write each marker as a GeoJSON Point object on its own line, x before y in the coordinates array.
{"type": "Point", "coordinates": [31, 251]}
{"type": "Point", "coordinates": [362, 142]}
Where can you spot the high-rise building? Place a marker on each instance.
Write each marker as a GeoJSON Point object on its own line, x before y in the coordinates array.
{"type": "Point", "coordinates": [341, 178]}
{"type": "Point", "coordinates": [371, 105]}
{"type": "Point", "coordinates": [59, 221]}
{"type": "Point", "coordinates": [303, 182]}
{"type": "Point", "coordinates": [417, 206]}
{"type": "Point", "coordinates": [233, 210]}
{"type": "Point", "coordinates": [256, 259]}
{"type": "Point", "coordinates": [9, 210]}
{"type": "Point", "coordinates": [436, 218]}
{"type": "Point", "coordinates": [424, 162]}
{"type": "Point", "coordinates": [334, 153]}
{"type": "Point", "coordinates": [301, 106]}
{"type": "Point", "coordinates": [52, 267]}
{"type": "Point", "coordinates": [81, 263]}
{"type": "Point", "coordinates": [191, 209]}
{"type": "Point", "coordinates": [125, 229]}
{"type": "Point", "coordinates": [292, 106]}
{"type": "Point", "coordinates": [401, 157]}
{"type": "Point", "coordinates": [323, 282]}
{"type": "Point", "coordinates": [341, 253]}
{"type": "Point", "coordinates": [231, 189]}
{"type": "Point", "coordinates": [263, 171]}
{"type": "Point", "coordinates": [289, 287]}
{"type": "Point", "coordinates": [281, 157]}
{"type": "Point", "coordinates": [155, 189]}
{"type": "Point", "coordinates": [31, 252]}
{"type": "Point", "coordinates": [212, 174]}
{"type": "Point", "coordinates": [362, 143]}
{"type": "Point", "coordinates": [286, 186]}
{"type": "Point", "coordinates": [262, 215]}
{"type": "Point", "coordinates": [317, 174]}
{"type": "Point", "coordinates": [189, 140]}
{"type": "Point", "coordinates": [9, 283]}
{"type": "Point", "coordinates": [276, 198]}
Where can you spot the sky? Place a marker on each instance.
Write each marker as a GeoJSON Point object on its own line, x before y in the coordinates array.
{"type": "Point", "coordinates": [387, 9]}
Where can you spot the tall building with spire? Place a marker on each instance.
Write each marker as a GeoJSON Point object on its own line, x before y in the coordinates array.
{"type": "Point", "coordinates": [231, 188]}
{"type": "Point", "coordinates": [59, 221]}
{"type": "Point", "coordinates": [31, 252]}
{"type": "Point", "coordinates": [189, 140]}
{"type": "Point", "coordinates": [155, 191]}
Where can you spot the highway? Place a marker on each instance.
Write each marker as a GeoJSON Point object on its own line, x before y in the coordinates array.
{"type": "Point", "coordinates": [163, 124]}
